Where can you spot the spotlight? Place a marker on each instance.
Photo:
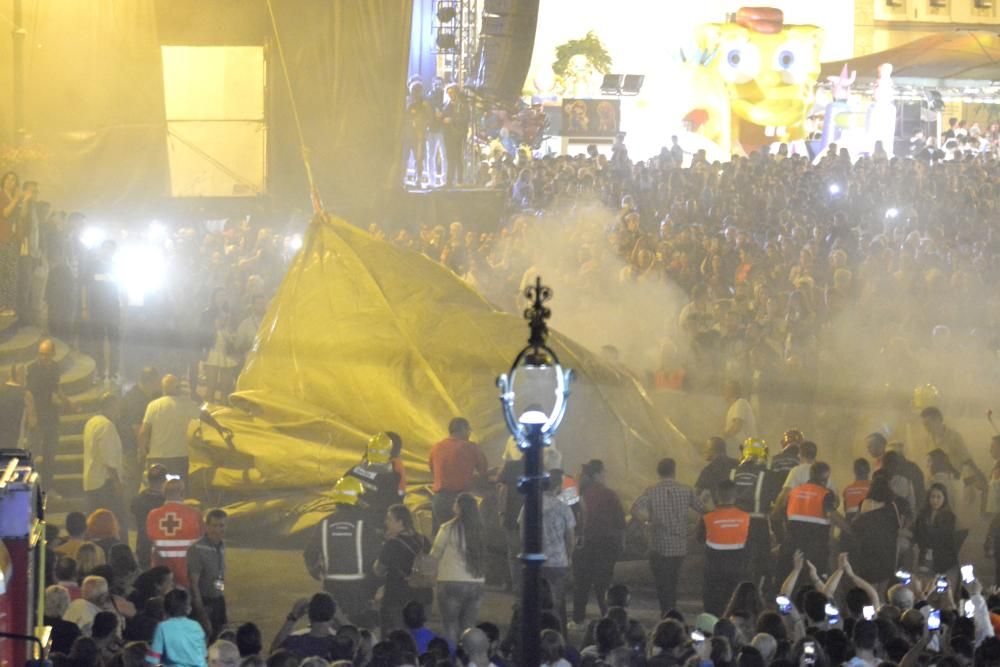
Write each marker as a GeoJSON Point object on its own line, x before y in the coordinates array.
{"type": "Point", "coordinates": [295, 242]}
{"type": "Point", "coordinates": [157, 231]}
{"type": "Point", "coordinates": [446, 13]}
{"type": "Point", "coordinates": [446, 41]}
{"type": "Point", "coordinates": [834, 189]}
{"type": "Point", "coordinates": [892, 213]}
{"type": "Point", "coordinates": [92, 237]}
{"type": "Point", "coordinates": [139, 270]}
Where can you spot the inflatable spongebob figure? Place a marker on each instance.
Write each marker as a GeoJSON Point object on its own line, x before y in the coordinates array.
{"type": "Point", "coordinates": [768, 71]}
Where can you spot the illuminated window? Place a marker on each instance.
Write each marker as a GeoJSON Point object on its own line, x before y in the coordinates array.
{"type": "Point", "coordinates": [216, 132]}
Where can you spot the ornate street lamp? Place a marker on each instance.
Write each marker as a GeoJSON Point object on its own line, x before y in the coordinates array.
{"type": "Point", "coordinates": [534, 396]}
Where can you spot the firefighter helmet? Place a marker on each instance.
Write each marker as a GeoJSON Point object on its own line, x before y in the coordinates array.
{"type": "Point", "coordinates": [925, 396]}
{"type": "Point", "coordinates": [379, 449]}
{"type": "Point", "coordinates": [755, 448]}
{"type": "Point", "coordinates": [347, 491]}
{"type": "Point", "coordinates": [792, 437]}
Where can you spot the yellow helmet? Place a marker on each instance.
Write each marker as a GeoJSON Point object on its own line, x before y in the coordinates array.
{"type": "Point", "coordinates": [347, 491]}
{"type": "Point", "coordinates": [755, 448]}
{"type": "Point", "coordinates": [925, 396]}
{"type": "Point", "coordinates": [379, 449]}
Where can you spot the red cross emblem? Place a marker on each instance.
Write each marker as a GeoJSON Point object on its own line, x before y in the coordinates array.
{"type": "Point", "coordinates": [169, 524]}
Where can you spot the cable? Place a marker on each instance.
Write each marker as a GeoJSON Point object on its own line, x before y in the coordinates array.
{"type": "Point", "coordinates": [317, 206]}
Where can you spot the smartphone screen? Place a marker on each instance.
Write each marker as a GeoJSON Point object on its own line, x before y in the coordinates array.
{"type": "Point", "coordinates": [697, 636]}
{"type": "Point", "coordinates": [868, 612]}
{"type": "Point", "coordinates": [934, 620]}
{"type": "Point", "coordinates": [967, 574]}
{"type": "Point", "coordinates": [970, 609]}
{"type": "Point", "coordinates": [784, 604]}
{"type": "Point", "coordinates": [903, 576]}
{"type": "Point", "coordinates": [942, 584]}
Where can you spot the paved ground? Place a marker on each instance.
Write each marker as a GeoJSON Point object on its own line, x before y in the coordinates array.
{"type": "Point", "coordinates": [263, 584]}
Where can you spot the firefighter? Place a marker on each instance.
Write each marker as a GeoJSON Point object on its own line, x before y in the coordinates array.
{"type": "Point", "coordinates": [811, 508]}
{"type": "Point", "coordinates": [788, 457]}
{"type": "Point", "coordinates": [172, 528]}
{"type": "Point", "coordinates": [379, 481]}
{"type": "Point", "coordinates": [724, 532]}
{"type": "Point", "coordinates": [343, 549]}
{"type": "Point", "coordinates": [756, 489]}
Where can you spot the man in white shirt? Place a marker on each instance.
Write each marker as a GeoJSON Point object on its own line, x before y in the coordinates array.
{"type": "Point", "coordinates": [94, 598]}
{"type": "Point", "coordinates": [740, 422]}
{"type": "Point", "coordinates": [799, 475]}
{"type": "Point", "coordinates": [163, 436]}
{"type": "Point", "coordinates": [103, 469]}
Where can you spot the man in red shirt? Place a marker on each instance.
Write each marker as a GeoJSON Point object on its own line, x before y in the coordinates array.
{"type": "Point", "coordinates": [456, 464]}
{"type": "Point", "coordinates": [172, 528]}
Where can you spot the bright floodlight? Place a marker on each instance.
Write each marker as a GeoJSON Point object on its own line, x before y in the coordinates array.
{"type": "Point", "coordinates": [140, 270]}
{"type": "Point", "coordinates": [834, 189]}
{"type": "Point", "coordinates": [295, 242]}
{"type": "Point", "coordinates": [157, 231]}
{"type": "Point", "coordinates": [892, 213]}
{"type": "Point", "coordinates": [92, 237]}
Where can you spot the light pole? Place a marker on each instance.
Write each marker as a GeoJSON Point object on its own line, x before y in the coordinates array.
{"type": "Point", "coordinates": [534, 396]}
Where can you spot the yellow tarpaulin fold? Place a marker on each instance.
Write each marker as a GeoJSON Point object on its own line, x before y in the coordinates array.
{"type": "Point", "coordinates": [362, 337]}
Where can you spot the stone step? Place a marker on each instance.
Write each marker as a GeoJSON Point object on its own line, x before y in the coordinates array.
{"type": "Point", "coordinates": [77, 374]}
{"type": "Point", "coordinates": [87, 401]}
{"type": "Point", "coordinates": [70, 486]}
{"type": "Point", "coordinates": [8, 325]}
{"type": "Point", "coordinates": [20, 347]}
{"type": "Point", "coordinates": [73, 424]}
{"type": "Point", "coordinates": [69, 464]}
{"type": "Point", "coordinates": [26, 355]}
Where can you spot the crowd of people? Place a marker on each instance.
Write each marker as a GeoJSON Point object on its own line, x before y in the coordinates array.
{"type": "Point", "coordinates": [815, 295]}
{"type": "Point", "coordinates": [888, 586]}
{"type": "Point", "coordinates": [78, 280]}
{"type": "Point", "coordinates": [826, 289]}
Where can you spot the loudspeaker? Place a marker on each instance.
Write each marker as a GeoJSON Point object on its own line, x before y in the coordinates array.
{"type": "Point", "coordinates": [497, 26]}
{"type": "Point", "coordinates": [501, 7]}
{"type": "Point", "coordinates": [505, 47]}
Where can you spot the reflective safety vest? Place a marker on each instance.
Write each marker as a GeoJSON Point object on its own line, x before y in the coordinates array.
{"type": "Point", "coordinates": [805, 503]}
{"type": "Point", "coordinates": [726, 529]}
{"type": "Point", "coordinates": [854, 494]}
{"type": "Point", "coordinates": [749, 480]}
{"type": "Point", "coordinates": [570, 494]}
{"type": "Point", "coordinates": [172, 529]}
{"type": "Point", "coordinates": [343, 544]}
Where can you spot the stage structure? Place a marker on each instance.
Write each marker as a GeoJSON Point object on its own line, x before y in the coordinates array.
{"type": "Point", "coordinates": [363, 337]}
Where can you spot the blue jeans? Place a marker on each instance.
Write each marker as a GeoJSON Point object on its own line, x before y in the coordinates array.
{"type": "Point", "coordinates": [458, 602]}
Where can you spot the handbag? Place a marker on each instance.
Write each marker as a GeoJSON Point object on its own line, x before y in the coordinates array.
{"type": "Point", "coordinates": [424, 571]}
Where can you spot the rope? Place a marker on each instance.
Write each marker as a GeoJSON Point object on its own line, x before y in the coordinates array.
{"type": "Point", "coordinates": [314, 194]}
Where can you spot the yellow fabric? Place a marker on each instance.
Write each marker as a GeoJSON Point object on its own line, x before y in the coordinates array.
{"type": "Point", "coordinates": [363, 337]}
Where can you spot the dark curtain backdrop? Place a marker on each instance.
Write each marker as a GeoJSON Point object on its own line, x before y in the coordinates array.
{"type": "Point", "coordinates": [348, 64]}
{"type": "Point", "coordinates": [94, 103]}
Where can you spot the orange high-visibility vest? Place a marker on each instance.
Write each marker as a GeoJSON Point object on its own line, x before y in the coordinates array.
{"type": "Point", "coordinates": [805, 503]}
{"type": "Point", "coordinates": [854, 494]}
{"type": "Point", "coordinates": [172, 529]}
{"type": "Point", "coordinates": [726, 529]}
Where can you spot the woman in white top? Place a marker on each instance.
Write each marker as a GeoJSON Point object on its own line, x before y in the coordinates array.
{"type": "Point", "coordinates": [461, 555]}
